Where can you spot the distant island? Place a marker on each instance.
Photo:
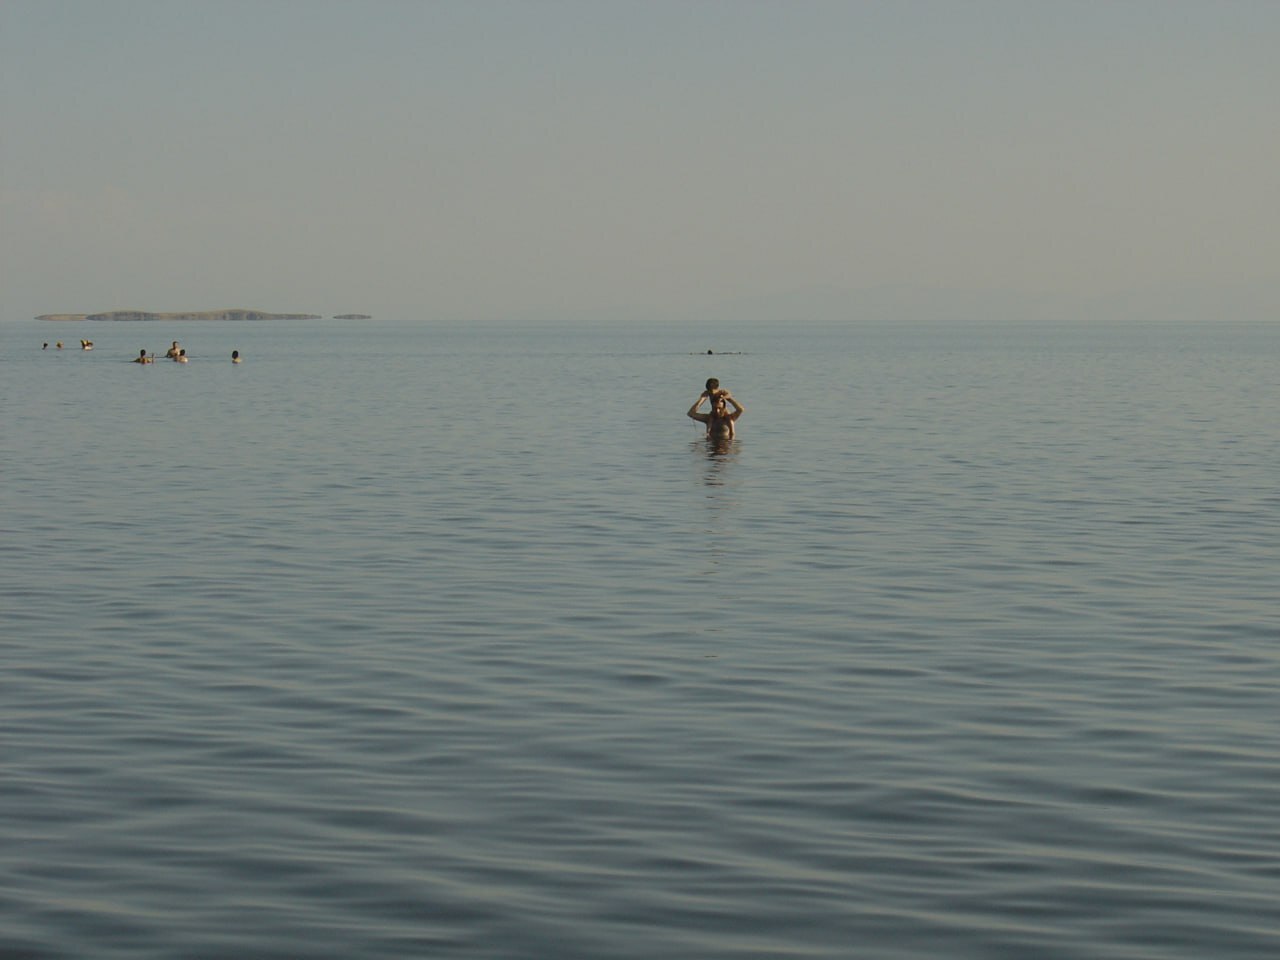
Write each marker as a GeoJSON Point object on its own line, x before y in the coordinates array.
{"type": "Point", "coordinates": [193, 315]}
{"type": "Point", "coordinates": [352, 316]}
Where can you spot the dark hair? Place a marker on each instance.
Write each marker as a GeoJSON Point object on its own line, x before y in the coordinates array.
{"type": "Point", "coordinates": [713, 384]}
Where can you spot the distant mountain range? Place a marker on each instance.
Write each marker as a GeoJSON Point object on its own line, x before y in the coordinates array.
{"type": "Point", "coordinates": [236, 314]}
{"type": "Point", "coordinates": [1256, 301]}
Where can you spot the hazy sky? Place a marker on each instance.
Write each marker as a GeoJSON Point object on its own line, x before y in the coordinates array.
{"type": "Point", "coordinates": [451, 160]}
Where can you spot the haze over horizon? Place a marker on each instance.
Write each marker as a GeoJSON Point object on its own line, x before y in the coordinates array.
{"type": "Point", "coordinates": [607, 161]}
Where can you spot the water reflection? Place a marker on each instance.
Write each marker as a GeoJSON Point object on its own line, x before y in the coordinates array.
{"type": "Point", "coordinates": [718, 455]}
{"type": "Point", "coordinates": [715, 459]}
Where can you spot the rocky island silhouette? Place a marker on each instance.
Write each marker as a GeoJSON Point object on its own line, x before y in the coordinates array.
{"type": "Point", "coordinates": [235, 314]}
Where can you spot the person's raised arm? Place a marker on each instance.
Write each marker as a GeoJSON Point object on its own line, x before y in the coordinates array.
{"type": "Point", "coordinates": [693, 413]}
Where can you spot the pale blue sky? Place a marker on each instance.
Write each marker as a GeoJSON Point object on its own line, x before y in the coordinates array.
{"type": "Point", "coordinates": [618, 159]}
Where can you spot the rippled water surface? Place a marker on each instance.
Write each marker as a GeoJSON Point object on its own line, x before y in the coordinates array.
{"type": "Point", "coordinates": [402, 641]}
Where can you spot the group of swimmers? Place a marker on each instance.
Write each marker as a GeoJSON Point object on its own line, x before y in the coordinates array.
{"type": "Point", "coordinates": [719, 419]}
{"type": "Point", "coordinates": [177, 354]}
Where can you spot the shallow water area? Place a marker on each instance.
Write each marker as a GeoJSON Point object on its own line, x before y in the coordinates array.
{"type": "Point", "coordinates": [400, 639]}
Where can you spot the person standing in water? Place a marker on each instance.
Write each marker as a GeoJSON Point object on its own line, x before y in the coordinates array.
{"type": "Point", "coordinates": [719, 419]}
{"type": "Point", "coordinates": [142, 357]}
{"type": "Point", "coordinates": [172, 352]}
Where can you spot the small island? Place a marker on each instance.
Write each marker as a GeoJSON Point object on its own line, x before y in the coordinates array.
{"type": "Point", "coordinates": [236, 314]}
{"type": "Point", "coordinates": [352, 316]}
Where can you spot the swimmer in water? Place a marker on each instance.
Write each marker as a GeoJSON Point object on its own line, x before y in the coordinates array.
{"type": "Point", "coordinates": [86, 344]}
{"type": "Point", "coordinates": [719, 419]}
{"type": "Point", "coordinates": [143, 358]}
{"type": "Point", "coordinates": [235, 356]}
{"type": "Point", "coordinates": [181, 357]}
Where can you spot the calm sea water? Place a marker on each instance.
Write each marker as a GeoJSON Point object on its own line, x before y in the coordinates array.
{"type": "Point", "coordinates": [398, 641]}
